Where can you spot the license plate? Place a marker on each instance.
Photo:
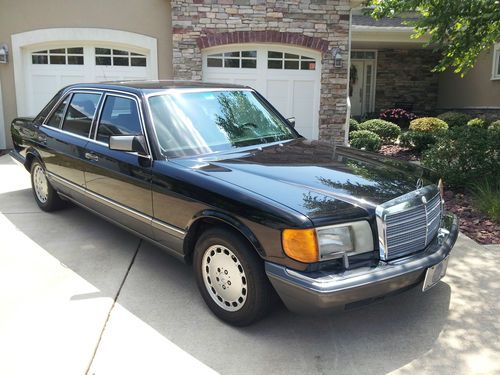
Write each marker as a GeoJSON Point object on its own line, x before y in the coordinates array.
{"type": "Point", "coordinates": [435, 273]}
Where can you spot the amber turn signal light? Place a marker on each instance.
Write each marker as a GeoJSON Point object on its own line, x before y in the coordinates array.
{"type": "Point", "coordinates": [301, 244]}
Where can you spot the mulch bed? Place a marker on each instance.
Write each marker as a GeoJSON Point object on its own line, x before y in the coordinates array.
{"type": "Point", "coordinates": [473, 223]}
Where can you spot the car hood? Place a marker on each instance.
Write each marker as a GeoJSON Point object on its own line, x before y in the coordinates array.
{"type": "Point", "coordinates": [317, 179]}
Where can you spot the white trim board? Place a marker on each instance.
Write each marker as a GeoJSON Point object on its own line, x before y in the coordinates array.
{"type": "Point", "coordinates": [3, 129]}
{"type": "Point", "coordinates": [30, 39]}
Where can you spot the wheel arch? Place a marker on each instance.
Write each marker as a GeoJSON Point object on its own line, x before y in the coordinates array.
{"type": "Point", "coordinates": [211, 218]}
{"type": "Point", "coordinates": [31, 155]}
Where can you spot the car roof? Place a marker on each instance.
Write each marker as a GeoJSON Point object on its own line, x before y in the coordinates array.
{"type": "Point", "coordinates": [155, 86]}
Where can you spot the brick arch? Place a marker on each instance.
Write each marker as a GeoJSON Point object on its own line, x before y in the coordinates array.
{"type": "Point", "coordinates": [301, 40]}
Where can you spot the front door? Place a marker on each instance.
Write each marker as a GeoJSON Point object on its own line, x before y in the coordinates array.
{"type": "Point", "coordinates": [362, 82]}
{"type": "Point", "coordinates": [119, 181]}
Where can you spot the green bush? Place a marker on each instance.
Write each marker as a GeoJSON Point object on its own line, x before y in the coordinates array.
{"type": "Point", "coordinates": [417, 140]}
{"type": "Point", "coordinates": [454, 119]}
{"type": "Point", "coordinates": [365, 139]}
{"type": "Point", "coordinates": [487, 198]}
{"type": "Point", "coordinates": [353, 125]}
{"type": "Point", "coordinates": [386, 130]}
{"type": "Point", "coordinates": [465, 155]}
{"type": "Point", "coordinates": [428, 125]}
{"type": "Point", "coordinates": [494, 126]}
{"type": "Point", "coordinates": [479, 122]}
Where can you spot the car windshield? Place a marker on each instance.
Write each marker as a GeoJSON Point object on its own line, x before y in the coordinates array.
{"type": "Point", "coordinates": [193, 123]}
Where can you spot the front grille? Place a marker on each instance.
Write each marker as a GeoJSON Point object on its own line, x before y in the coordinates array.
{"type": "Point", "coordinates": [408, 223]}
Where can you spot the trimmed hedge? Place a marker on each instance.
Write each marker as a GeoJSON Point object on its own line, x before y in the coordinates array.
{"type": "Point", "coordinates": [465, 155]}
{"type": "Point", "coordinates": [454, 119]}
{"type": "Point", "coordinates": [365, 139]}
{"type": "Point", "coordinates": [417, 140]}
{"type": "Point", "coordinates": [353, 125]}
{"type": "Point", "coordinates": [495, 126]}
{"type": "Point", "coordinates": [387, 131]}
{"type": "Point", "coordinates": [479, 122]}
{"type": "Point", "coordinates": [428, 125]}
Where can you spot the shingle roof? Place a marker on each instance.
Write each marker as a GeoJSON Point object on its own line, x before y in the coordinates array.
{"type": "Point", "coordinates": [361, 20]}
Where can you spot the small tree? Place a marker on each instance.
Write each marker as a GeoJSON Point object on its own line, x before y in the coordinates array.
{"type": "Point", "coordinates": [460, 29]}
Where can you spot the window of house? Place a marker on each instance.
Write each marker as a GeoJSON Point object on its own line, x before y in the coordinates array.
{"type": "Point", "coordinates": [58, 56]}
{"type": "Point", "coordinates": [363, 55]}
{"type": "Point", "coordinates": [496, 62]}
{"type": "Point", "coordinates": [118, 57]}
{"type": "Point", "coordinates": [80, 113]}
{"type": "Point", "coordinates": [236, 59]}
{"type": "Point", "coordinates": [119, 117]}
{"type": "Point", "coordinates": [289, 61]}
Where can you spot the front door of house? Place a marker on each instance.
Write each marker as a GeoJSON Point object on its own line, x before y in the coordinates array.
{"type": "Point", "coordinates": [362, 80]}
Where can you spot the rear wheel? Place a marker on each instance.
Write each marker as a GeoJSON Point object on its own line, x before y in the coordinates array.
{"type": "Point", "coordinates": [45, 195]}
{"type": "Point", "coordinates": [231, 277]}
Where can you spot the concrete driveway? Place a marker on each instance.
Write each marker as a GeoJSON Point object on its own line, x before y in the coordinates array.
{"type": "Point", "coordinates": [80, 295]}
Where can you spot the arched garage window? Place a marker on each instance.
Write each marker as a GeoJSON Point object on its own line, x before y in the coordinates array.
{"type": "Point", "coordinates": [236, 59]}
{"type": "Point", "coordinates": [118, 57]}
{"type": "Point", "coordinates": [58, 56]}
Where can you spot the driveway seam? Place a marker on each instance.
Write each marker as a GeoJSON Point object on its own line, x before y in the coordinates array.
{"type": "Point", "coordinates": [112, 306]}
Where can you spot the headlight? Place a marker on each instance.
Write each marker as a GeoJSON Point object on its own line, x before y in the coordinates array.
{"type": "Point", "coordinates": [334, 241]}
{"type": "Point", "coordinates": [350, 238]}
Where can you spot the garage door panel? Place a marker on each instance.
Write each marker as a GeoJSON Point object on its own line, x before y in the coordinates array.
{"type": "Point", "coordinates": [303, 100]}
{"type": "Point", "coordinates": [278, 95]}
{"type": "Point", "coordinates": [280, 75]}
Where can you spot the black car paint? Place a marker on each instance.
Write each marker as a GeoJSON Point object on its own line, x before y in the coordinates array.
{"type": "Point", "coordinates": [258, 191]}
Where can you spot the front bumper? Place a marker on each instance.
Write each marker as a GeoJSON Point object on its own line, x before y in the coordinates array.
{"type": "Point", "coordinates": [321, 292]}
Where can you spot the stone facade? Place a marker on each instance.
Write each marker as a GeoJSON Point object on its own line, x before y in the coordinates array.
{"type": "Point", "coordinates": [404, 76]}
{"type": "Point", "coordinates": [317, 24]}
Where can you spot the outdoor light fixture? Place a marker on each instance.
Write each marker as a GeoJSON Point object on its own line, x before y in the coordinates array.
{"type": "Point", "coordinates": [4, 54]}
{"type": "Point", "coordinates": [337, 57]}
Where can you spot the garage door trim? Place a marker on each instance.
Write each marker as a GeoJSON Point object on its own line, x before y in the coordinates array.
{"type": "Point", "coordinates": [30, 39]}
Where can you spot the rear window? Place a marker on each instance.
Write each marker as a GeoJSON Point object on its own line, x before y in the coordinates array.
{"type": "Point", "coordinates": [80, 113]}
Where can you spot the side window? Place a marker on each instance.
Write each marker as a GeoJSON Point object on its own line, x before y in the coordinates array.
{"type": "Point", "coordinates": [80, 113]}
{"type": "Point", "coordinates": [57, 116]}
{"type": "Point", "coordinates": [119, 117]}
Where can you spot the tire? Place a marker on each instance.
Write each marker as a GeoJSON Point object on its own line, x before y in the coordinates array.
{"type": "Point", "coordinates": [231, 277]}
{"type": "Point", "coordinates": [45, 195]}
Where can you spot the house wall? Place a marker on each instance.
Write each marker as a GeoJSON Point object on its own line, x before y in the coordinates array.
{"type": "Point", "coordinates": [475, 93]}
{"type": "Point", "coordinates": [404, 75]}
{"type": "Point", "coordinates": [316, 24]}
{"type": "Point", "coordinates": [147, 17]}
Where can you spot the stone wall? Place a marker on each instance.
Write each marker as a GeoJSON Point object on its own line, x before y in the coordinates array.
{"type": "Point", "coordinates": [404, 76]}
{"type": "Point", "coordinates": [317, 24]}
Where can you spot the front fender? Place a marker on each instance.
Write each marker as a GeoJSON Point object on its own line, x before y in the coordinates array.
{"type": "Point", "coordinates": [214, 217]}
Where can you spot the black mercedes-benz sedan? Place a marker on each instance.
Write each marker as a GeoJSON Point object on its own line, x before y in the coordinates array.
{"type": "Point", "coordinates": [216, 176]}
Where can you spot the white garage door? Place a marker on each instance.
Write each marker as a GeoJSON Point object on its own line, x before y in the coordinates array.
{"type": "Point", "coordinates": [288, 77]}
{"type": "Point", "coordinates": [50, 68]}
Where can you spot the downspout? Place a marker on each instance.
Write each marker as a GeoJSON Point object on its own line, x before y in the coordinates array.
{"type": "Point", "coordinates": [348, 101]}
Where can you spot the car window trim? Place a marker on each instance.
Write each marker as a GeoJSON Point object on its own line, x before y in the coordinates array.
{"type": "Point", "coordinates": [130, 96]}
{"type": "Point", "coordinates": [103, 91]}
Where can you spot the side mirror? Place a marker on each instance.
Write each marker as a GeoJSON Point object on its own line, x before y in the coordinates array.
{"type": "Point", "coordinates": [291, 121]}
{"type": "Point", "coordinates": [129, 143]}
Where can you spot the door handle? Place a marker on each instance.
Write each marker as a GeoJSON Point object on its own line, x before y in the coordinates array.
{"type": "Point", "coordinates": [91, 156]}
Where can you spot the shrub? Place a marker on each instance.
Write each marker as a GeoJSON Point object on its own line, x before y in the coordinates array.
{"type": "Point", "coordinates": [465, 155]}
{"type": "Point", "coordinates": [487, 198]}
{"type": "Point", "coordinates": [386, 130]}
{"type": "Point", "coordinates": [418, 141]}
{"type": "Point", "coordinates": [398, 116]}
{"type": "Point", "coordinates": [365, 139]}
{"type": "Point", "coordinates": [494, 126]}
{"type": "Point", "coordinates": [454, 119]}
{"type": "Point", "coordinates": [428, 125]}
{"type": "Point", "coordinates": [477, 122]}
{"type": "Point", "coordinates": [353, 125]}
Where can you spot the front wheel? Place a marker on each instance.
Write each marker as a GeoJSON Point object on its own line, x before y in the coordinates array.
{"type": "Point", "coordinates": [231, 277]}
{"type": "Point", "coordinates": [45, 195]}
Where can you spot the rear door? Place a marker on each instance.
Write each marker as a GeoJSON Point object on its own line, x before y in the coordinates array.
{"type": "Point", "coordinates": [65, 133]}
{"type": "Point", "coordinates": [119, 181]}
